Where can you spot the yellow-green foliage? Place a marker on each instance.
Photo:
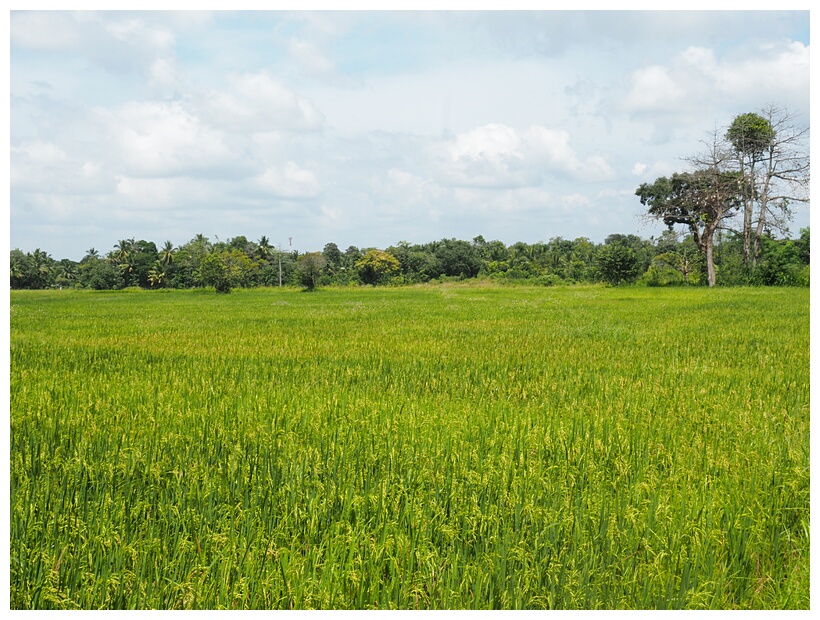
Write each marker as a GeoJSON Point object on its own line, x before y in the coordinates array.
{"type": "Point", "coordinates": [432, 447]}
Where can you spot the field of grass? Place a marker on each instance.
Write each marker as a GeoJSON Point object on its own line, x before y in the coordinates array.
{"type": "Point", "coordinates": [432, 447]}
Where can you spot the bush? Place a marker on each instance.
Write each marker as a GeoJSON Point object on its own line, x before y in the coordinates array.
{"type": "Point", "coordinates": [549, 279]}
{"type": "Point", "coordinates": [661, 276]}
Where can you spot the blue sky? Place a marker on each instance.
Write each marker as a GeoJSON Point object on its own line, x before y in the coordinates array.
{"type": "Point", "coordinates": [368, 128]}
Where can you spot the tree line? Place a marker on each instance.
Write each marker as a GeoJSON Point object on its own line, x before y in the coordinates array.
{"type": "Point", "coordinates": [672, 259]}
{"type": "Point", "coordinates": [728, 207]}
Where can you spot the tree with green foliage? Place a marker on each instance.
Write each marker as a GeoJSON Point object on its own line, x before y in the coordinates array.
{"type": "Point", "coordinates": [333, 257]}
{"type": "Point", "coordinates": [67, 272]}
{"type": "Point", "coordinates": [458, 258]}
{"type": "Point", "coordinates": [156, 275]}
{"type": "Point", "coordinates": [213, 271]}
{"type": "Point", "coordinates": [18, 269]}
{"type": "Point", "coordinates": [309, 269]}
{"type": "Point", "coordinates": [225, 270]}
{"type": "Point", "coordinates": [42, 272]}
{"type": "Point", "coordinates": [772, 155]}
{"type": "Point", "coordinates": [803, 244]}
{"type": "Point", "coordinates": [780, 264]}
{"type": "Point", "coordinates": [100, 275]}
{"type": "Point", "coordinates": [167, 253]}
{"type": "Point", "coordinates": [142, 260]}
{"type": "Point", "coordinates": [700, 200]}
{"type": "Point", "coordinates": [751, 135]}
{"type": "Point", "coordinates": [616, 264]}
{"type": "Point", "coordinates": [674, 261]}
{"type": "Point", "coordinates": [264, 249]}
{"type": "Point", "coordinates": [377, 266]}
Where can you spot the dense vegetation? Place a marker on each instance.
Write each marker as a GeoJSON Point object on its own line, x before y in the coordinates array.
{"type": "Point", "coordinates": [667, 260]}
{"type": "Point", "coordinates": [731, 202]}
{"type": "Point", "coordinates": [447, 446]}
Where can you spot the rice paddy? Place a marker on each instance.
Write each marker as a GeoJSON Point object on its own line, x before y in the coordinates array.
{"type": "Point", "coordinates": [436, 447]}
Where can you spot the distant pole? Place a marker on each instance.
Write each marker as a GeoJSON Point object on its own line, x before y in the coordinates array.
{"type": "Point", "coordinates": [280, 266]}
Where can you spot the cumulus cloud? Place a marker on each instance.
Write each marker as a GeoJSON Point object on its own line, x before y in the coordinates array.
{"type": "Point", "coordinates": [164, 139]}
{"type": "Point", "coordinates": [289, 181]}
{"type": "Point", "coordinates": [40, 167]}
{"type": "Point", "coordinates": [118, 42]}
{"type": "Point", "coordinates": [653, 88]}
{"type": "Point", "coordinates": [779, 67]}
{"type": "Point", "coordinates": [257, 102]}
{"type": "Point", "coordinates": [398, 191]}
{"type": "Point", "coordinates": [499, 156]}
{"type": "Point", "coordinates": [697, 74]}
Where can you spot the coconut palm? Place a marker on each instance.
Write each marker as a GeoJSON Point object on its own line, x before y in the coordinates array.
{"type": "Point", "coordinates": [167, 253]}
{"type": "Point", "coordinates": [67, 271]}
{"type": "Point", "coordinates": [264, 248]}
{"type": "Point", "coordinates": [156, 275]}
{"type": "Point", "coordinates": [122, 250]}
{"type": "Point", "coordinates": [41, 266]}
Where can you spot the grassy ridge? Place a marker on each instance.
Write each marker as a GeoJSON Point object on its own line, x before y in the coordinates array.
{"type": "Point", "coordinates": [434, 447]}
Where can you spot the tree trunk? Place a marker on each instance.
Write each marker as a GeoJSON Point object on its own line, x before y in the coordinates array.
{"type": "Point", "coordinates": [710, 259]}
{"type": "Point", "coordinates": [758, 233]}
{"type": "Point", "coordinates": [748, 207]}
{"type": "Point", "coordinates": [763, 200]}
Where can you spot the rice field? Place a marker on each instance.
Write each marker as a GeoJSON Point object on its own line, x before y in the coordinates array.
{"type": "Point", "coordinates": [436, 447]}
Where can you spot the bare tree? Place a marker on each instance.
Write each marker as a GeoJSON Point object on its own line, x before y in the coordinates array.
{"type": "Point", "coordinates": [771, 153]}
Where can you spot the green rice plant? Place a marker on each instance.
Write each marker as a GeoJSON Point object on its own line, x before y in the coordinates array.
{"type": "Point", "coordinates": [432, 447]}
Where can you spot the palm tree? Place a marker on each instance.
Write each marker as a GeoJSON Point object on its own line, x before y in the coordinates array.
{"type": "Point", "coordinates": [167, 253]}
{"type": "Point", "coordinates": [67, 272]}
{"type": "Point", "coordinates": [122, 251]}
{"type": "Point", "coordinates": [41, 263]}
{"type": "Point", "coordinates": [127, 268]}
{"type": "Point", "coordinates": [265, 249]}
{"type": "Point", "coordinates": [17, 269]}
{"type": "Point", "coordinates": [156, 275]}
{"type": "Point", "coordinates": [92, 253]}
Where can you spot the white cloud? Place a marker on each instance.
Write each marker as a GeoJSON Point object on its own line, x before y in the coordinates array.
{"type": "Point", "coordinates": [41, 153]}
{"type": "Point", "coordinates": [777, 68]}
{"type": "Point", "coordinates": [652, 88]}
{"type": "Point", "coordinates": [500, 156]}
{"type": "Point", "coordinates": [258, 102]}
{"type": "Point", "coordinates": [41, 167]}
{"type": "Point", "coordinates": [164, 139]}
{"type": "Point", "coordinates": [47, 31]}
{"type": "Point", "coordinates": [163, 74]}
{"type": "Point", "coordinates": [289, 181]}
{"type": "Point", "coordinates": [130, 30]}
{"type": "Point", "coordinates": [748, 77]}
{"type": "Point", "coordinates": [119, 42]}
{"type": "Point", "coordinates": [520, 200]}
{"type": "Point", "coordinates": [309, 56]}
{"type": "Point", "coordinates": [399, 191]}
{"type": "Point", "coordinates": [575, 200]}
